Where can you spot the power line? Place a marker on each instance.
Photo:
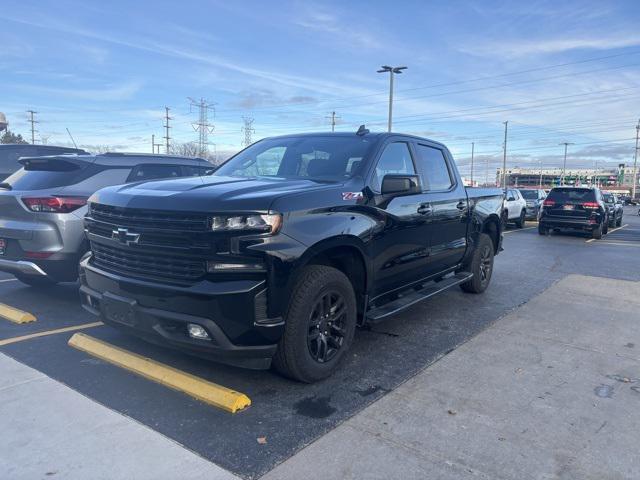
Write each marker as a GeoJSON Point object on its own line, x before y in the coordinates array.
{"type": "Point", "coordinates": [248, 130]}
{"type": "Point", "coordinates": [202, 126]}
{"type": "Point", "coordinates": [33, 123]}
{"type": "Point", "coordinates": [167, 127]}
{"type": "Point", "coordinates": [333, 119]}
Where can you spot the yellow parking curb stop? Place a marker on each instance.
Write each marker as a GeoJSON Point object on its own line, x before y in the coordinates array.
{"type": "Point", "coordinates": [203, 390]}
{"type": "Point", "coordinates": [14, 315]}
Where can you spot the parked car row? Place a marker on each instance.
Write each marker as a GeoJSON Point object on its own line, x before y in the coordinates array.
{"type": "Point", "coordinates": [276, 256]}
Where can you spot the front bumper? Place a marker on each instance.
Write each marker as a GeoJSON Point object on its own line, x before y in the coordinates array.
{"type": "Point", "coordinates": [229, 311]}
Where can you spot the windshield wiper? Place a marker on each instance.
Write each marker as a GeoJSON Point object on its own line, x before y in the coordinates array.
{"type": "Point", "coordinates": [6, 186]}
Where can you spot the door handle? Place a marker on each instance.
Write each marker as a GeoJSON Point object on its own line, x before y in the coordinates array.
{"type": "Point", "coordinates": [425, 209]}
{"type": "Point", "coordinates": [461, 205]}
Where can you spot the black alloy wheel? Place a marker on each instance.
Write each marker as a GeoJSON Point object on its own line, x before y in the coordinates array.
{"type": "Point", "coordinates": [326, 331]}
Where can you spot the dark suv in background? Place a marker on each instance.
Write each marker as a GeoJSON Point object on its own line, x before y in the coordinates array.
{"type": "Point", "coordinates": [574, 208]}
{"type": "Point", "coordinates": [43, 204]}
{"type": "Point", "coordinates": [615, 209]}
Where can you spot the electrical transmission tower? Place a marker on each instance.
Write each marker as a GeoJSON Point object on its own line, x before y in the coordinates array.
{"type": "Point", "coordinates": [248, 130]}
{"type": "Point", "coordinates": [167, 127]}
{"type": "Point", "coordinates": [333, 119]}
{"type": "Point", "coordinates": [202, 126]}
{"type": "Point", "coordinates": [33, 125]}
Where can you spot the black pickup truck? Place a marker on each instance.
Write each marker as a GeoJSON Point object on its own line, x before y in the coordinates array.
{"type": "Point", "coordinates": [287, 247]}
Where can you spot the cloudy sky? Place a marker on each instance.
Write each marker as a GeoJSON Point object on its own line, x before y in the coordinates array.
{"type": "Point", "coordinates": [557, 71]}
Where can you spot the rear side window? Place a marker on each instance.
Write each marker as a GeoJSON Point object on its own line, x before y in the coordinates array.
{"type": "Point", "coordinates": [560, 195]}
{"type": "Point", "coordinates": [151, 171]}
{"type": "Point", "coordinates": [433, 168]}
{"type": "Point", "coordinates": [50, 174]}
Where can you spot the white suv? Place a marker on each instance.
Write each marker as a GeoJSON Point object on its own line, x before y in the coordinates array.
{"type": "Point", "coordinates": [515, 208]}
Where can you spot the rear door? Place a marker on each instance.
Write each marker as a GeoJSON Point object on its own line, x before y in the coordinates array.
{"type": "Point", "coordinates": [447, 199]}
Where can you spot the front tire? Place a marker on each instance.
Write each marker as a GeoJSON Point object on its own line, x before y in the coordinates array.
{"type": "Point", "coordinates": [542, 230]}
{"type": "Point", "coordinates": [481, 265]}
{"type": "Point", "coordinates": [619, 222]}
{"type": "Point", "coordinates": [521, 219]}
{"type": "Point", "coordinates": [319, 325]}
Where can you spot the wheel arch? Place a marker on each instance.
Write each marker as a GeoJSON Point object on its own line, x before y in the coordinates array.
{"type": "Point", "coordinates": [346, 253]}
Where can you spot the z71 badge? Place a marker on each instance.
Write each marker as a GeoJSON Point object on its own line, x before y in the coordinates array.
{"type": "Point", "coordinates": [351, 195]}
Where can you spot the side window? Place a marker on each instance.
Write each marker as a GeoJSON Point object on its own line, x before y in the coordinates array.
{"type": "Point", "coordinates": [433, 168]}
{"type": "Point", "coordinates": [396, 158]}
{"type": "Point", "coordinates": [151, 171]}
{"type": "Point", "coordinates": [191, 171]}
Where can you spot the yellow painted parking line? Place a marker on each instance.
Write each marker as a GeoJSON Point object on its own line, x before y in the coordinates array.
{"type": "Point", "coordinates": [14, 315]}
{"type": "Point", "coordinates": [203, 390]}
{"type": "Point", "coordinates": [518, 230]}
{"type": "Point", "coordinates": [610, 231]}
{"type": "Point", "coordinates": [22, 338]}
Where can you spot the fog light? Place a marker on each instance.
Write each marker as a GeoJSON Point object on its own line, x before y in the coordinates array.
{"type": "Point", "coordinates": [197, 331]}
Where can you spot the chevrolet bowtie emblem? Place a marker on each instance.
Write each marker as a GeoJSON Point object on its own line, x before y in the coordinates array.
{"type": "Point", "coordinates": [124, 236]}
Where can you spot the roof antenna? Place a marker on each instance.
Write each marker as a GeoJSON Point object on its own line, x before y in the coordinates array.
{"type": "Point", "coordinates": [70, 136]}
{"type": "Point", "coordinates": [362, 130]}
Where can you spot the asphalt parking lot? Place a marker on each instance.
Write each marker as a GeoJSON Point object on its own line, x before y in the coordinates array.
{"type": "Point", "coordinates": [287, 416]}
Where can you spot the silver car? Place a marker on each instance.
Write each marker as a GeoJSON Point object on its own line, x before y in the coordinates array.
{"type": "Point", "coordinates": [42, 207]}
{"type": "Point", "coordinates": [534, 198]}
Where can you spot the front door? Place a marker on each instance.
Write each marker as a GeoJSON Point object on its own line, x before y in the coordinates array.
{"type": "Point", "coordinates": [400, 248]}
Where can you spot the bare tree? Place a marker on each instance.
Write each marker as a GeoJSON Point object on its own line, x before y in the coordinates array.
{"type": "Point", "coordinates": [187, 149]}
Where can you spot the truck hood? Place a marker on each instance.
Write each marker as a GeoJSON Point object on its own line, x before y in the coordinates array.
{"type": "Point", "coordinates": [206, 194]}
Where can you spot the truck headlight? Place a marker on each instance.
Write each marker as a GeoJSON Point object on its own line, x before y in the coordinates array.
{"type": "Point", "coordinates": [270, 222]}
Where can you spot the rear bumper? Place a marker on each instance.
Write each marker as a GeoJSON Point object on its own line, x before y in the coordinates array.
{"type": "Point", "coordinates": [576, 224]}
{"type": "Point", "coordinates": [160, 314]}
{"type": "Point", "coordinates": [21, 267]}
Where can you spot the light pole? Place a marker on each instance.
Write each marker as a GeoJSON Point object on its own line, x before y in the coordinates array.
{"type": "Point", "coordinates": [540, 186]}
{"type": "Point", "coordinates": [391, 70]}
{"type": "Point", "coordinates": [504, 157]}
{"type": "Point", "coordinates": [473, 146]}
{"type": "Point", "coordinates": [635, 163]}
{"type": "Point", "coordinates": [564, 164]}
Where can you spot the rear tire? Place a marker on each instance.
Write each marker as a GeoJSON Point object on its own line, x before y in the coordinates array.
{"type": "Point", "coordinates": [521, 219]}
{"type": "Point", "coordinates": [481, 265]}
{"type": "Point", "coordinates": [597, 233]}
{"type": "Point", "coordinates": [36, 281]}
{"type": "Point", "coordinates": [542, 230]}
{"type": "Point", "coordinates": [605, 228]}
{"type": "Point", "coordinates": [318, 332]}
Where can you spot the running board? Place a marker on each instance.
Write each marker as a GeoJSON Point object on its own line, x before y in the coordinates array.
{"type": "Point", "coordinates": [429, 289]}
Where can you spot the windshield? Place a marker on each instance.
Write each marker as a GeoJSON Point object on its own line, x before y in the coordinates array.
{"type": "Point", "coordinates": [529, 194]}
{"type": "Point", "coordinates": [316, 157]}
{"type": "Point", "coordinates": [608, 198]}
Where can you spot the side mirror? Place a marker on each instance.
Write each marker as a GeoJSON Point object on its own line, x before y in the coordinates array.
{"type": "Point", "coordinates": [395, 184]}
